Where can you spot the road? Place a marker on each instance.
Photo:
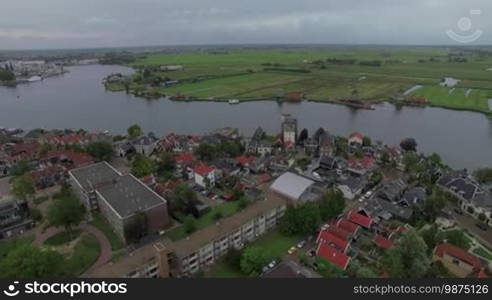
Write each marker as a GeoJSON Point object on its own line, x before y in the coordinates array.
{"type": "Point", "coordinates": [468, 223]}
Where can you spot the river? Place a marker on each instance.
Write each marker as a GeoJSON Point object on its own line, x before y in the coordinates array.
{"type": "Point", "coordinates": [79, 100]}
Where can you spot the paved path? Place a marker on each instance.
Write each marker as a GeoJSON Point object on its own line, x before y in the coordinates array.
{"type": "Point", "coordinates": [105, 245]}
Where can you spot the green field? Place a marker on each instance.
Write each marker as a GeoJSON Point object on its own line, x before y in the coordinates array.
{"type": "Point", "coordinates": [476, 100]}
{"type": "Point", "coordinates": [275, 247]}
{"type": "Point", "coordinates": [272, 73]}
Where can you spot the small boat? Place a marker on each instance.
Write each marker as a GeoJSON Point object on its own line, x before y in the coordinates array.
{"type": "Point", "coordinates": [233, 101]}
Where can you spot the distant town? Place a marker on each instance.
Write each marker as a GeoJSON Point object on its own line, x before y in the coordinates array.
{"type": "Point", "coordinates": [285, 204]}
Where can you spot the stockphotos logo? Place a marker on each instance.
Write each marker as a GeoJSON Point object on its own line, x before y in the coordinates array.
{"type": "Point", "coordinates": [12, 290]}
{"type": "Point", "coordinates": [71, 289]}
{"type": "Point", "coordinates": [465, 25]}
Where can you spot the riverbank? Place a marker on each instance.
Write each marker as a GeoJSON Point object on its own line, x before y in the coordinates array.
{"type": "Point", "coordinates": [79, 100]}
{"type": "Point", "coordinates": [364, 104]}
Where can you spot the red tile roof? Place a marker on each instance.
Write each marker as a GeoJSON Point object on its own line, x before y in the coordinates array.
{"type": "Point", "coordinates": [383, 242]}
{"type": "Point", "coordinates": [264, 178]}
{"type": "Point", "coordinates": [203, 169]}
{"type": "Point", "coordinates": [28, 148]}
{"type": "Point", "coordinates": [356, 135]}
{"type": "Point", "coordinates": [417, 100]}
{"type": "Point", "coordinates": [184, 158]}
{"type": "Point", "coordinates": [482, 274]}
{"type": "Point", "coordinates": [167, 186]}
{"type": "Point", "coordinates": [332, 255]}
{"type": "Point", "coordinates": [243, 160]}
{"type": "Point", "coordinates": [347, 225]}
{"type": "Point", "coordinates": [359, 219]}
{"type": "Point", "coordinates": [458, 253]}
{"type": "Point", "coordinates": [332, 240]}
{"type": "Point", "coordinates": [364, 162]}
{"type": "Point", "coordinates": [340, 232]}
{"type": "Point", "coordinates": [79, 159]}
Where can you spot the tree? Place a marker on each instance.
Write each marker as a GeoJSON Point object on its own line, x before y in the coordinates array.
{"type": "Point", "coordinates": [409, 258]}
{"type": "Point", "coordinates": [65, 211]}
{"type": "Point", "coordinates": [365, 272]}
{"type": "Point", "coordinates": [253, 260]}
{"type": "Point", "coordinates": [23, 187]}
{"type": "Point", "coordinates": [435, 159]}
{"type": "Point", "coordinates": [303, 136]}
{"type": "Point", "coordinates": [366, 141]}
{"type": "Point", "coordinates": [165, 165]}
{"type": "Point", "coordinates": [230, 148]}
{"type": "Point", "coordinates": [233, 258]}
{"type": "Point", "coordinates": [411, 160]}
{"type": "Point", "coordinates": [142, 165]}
{"type": "Point", "coordinates": [206, 151]}
{"type": "Point", "coordinates": [100, 150]}
{"type": "Point", "coordinates": [28, 261]}
{"type": "Point", "coordinates": [484, 175]}
{"type": "Point", "coordinates": [332, 204]}
{"type": "Point", "coordinates": [6, 75]}
{"type": "Point", "coordinates": [430, 236]}
{"type": "Point", "coordinates": [134, 131]}
{"type": "Point", "coordinates": [20, 168]}
{"type": "Point", "coordinates": [409, 144]}
{"type": "Point", "coordinates": [137, 228]}
{"type": "Point", "coordinates": [189, 224]}
{"type": "Point", "coordinates": [303, 219]}
{"type": "Point", "coordinates": [182, 198]}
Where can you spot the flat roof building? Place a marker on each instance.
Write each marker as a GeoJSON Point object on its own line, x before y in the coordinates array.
{"type": "Point", "coordinates": [118, 197]}
{"type": "Point", "coordinates": [295, 188]}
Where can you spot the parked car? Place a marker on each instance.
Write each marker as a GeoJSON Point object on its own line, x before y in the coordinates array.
{"type": "Point", "coordinates": [482, 226]}
{"type": "Point", "coordinates": [292, 250]}
{"type": "Point", "coordinates": [272, 264]}
{"type": "Point", "coordinates": [301, 244]}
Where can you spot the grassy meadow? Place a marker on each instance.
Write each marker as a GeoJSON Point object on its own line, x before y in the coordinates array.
{"type": "Point", "coordinates": [250, 74]}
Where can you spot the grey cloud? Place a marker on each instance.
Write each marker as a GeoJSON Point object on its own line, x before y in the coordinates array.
{"type": "Point", "coordinates": [102, 23]}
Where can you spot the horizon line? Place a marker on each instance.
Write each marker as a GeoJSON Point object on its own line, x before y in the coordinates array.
{"type": "Point", "coordinates": [250, 44]}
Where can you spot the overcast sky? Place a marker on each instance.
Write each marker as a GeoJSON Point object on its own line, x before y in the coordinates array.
{"type": "Point", "coordinates": [28, 24]}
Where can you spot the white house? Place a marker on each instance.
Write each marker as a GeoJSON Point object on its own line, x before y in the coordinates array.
{"type": "Point", "coordinates": [205, 175]}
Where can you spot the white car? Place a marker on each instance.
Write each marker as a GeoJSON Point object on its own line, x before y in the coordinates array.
{"type": "Point", "coordinates": [301, 244]}
{"type": "Point", "coordinates": [272, 264]}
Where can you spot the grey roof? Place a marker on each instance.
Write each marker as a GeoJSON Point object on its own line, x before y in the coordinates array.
{"type": "Point", "coordinates": [291, 185]}
{"type": "Point", "coordinates": [128, 195]}
{"type": "Point", "coordinates": [95, 175]}
{"type": "Point", "coordinates": [415, 195]}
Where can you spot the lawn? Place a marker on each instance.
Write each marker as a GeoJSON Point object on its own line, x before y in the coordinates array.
{"type": "Point", "coordinates": [457, 99]}
{"type": "Point", "coordinates": [223, 270]}
{"type": "Point", "coordinates": [483, 253]}
{"type": "Point", "coordinates": [275, 246]}
{"type": "Point", "coordinates": [226, 209]}
{"type": "Point", "coordinates": [85, 254]}
{"type": "Point", "coordinates": [5, 247]}
{"type": "Point", "coordinates": [63, 237]}
{"type": "Point", "coordinates": [101, 223]}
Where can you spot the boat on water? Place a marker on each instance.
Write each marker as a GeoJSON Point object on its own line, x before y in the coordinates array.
{"type": "Point", "coordinates": [233, 101]}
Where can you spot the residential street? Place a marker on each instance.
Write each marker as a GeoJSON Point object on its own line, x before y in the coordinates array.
{"type": "Point", "coordinates": [468, 223]}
